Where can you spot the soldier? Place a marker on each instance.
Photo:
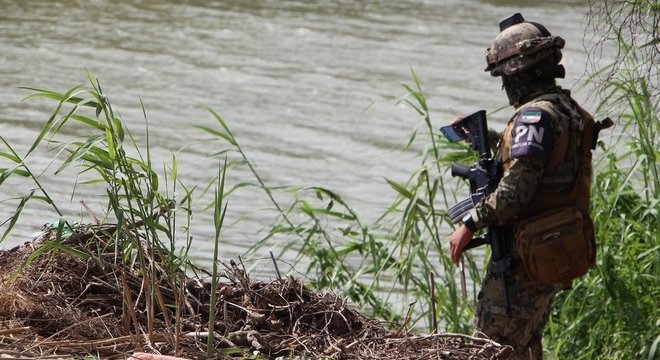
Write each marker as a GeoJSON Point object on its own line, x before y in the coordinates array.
{"type": "Point", "coordinates": [543, 167]}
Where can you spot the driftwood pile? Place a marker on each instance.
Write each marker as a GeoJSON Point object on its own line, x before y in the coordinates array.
{"type": "Point", "coordinates": [62, 306]}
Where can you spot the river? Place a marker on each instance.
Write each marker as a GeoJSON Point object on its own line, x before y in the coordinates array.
{"type": "Point", "coordinates": [309, 88]}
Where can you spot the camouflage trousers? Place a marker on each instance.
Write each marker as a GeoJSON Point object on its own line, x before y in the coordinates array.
{"type": "Point", "coordinates": [530, 308]}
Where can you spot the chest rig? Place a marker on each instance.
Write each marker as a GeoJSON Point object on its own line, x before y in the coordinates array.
{"type": "Point", "coordinates": [567, 175]}
{"type": "Point", "coordinates": [554, 237]}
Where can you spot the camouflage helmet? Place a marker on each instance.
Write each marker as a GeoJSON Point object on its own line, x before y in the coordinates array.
{"type": "Point", "coordinates": [520, 45]}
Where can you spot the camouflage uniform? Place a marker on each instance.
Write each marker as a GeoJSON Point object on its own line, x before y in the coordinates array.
{"type": "Point", "coordinates": [540, 161]}
{"type": "Point", "coordinates": [538, 153]}
{"type": "Point", "coordinates": [530, 308]}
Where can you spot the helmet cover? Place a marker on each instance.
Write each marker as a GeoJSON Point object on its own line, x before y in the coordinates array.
{"type": "Point", "coordinates": [520, 45]}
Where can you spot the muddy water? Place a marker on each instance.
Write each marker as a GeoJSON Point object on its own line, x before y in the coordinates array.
{"type": "Point", "coordinates": [310, 88]}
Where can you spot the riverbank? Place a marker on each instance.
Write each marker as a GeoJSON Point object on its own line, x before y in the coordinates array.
{"type": "Point", "coordinates": [65, 298]}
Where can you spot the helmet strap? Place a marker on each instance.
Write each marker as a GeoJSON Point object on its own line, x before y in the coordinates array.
{"type": "Point", "coordinates": [548, 70]}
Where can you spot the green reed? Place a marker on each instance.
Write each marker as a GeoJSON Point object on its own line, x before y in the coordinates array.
{"type": "Point", "coordinates": [325, 256]}
{"type": "Point", "coordinates": [218, 220]}
{"type": "Point", "coordinates": [396, 268]}
{"type": "Point", "coordinates": [382, 265]}
{"type": "Point", "coordinates": [390, 267]}
{"type": "Point", "coordinates": [145, 212]}
{"type": "Point", "coordinates": [612, 313]}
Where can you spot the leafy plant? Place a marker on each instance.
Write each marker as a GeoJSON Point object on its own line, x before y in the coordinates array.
{"type": "Point", "coordinates": [612, 312]}
{"type": "Point", "coordinates": [146, 230]}
{"type": "Point", "coordinates": [393, 262]}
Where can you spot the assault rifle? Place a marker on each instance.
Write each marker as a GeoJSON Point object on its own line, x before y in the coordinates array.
{"type": "Point", "coordinates": [483, 178]}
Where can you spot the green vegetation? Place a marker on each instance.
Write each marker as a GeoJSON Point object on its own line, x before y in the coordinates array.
{"type": "Point", "coordinates": [612, 313]}
{"type": "Point", "coordinates": [377, 266]}
{"type": "Point", "coordinates": [396, 268]}
{"type": "Point", "coordinates": [146, 213]}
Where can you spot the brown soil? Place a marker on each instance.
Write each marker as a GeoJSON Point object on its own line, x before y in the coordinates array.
{"type": "Point", "coordinates": [61, 306]}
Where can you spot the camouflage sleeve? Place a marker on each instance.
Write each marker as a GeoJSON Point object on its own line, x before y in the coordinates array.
{"type": "Point", "coordinates": [513, 193]}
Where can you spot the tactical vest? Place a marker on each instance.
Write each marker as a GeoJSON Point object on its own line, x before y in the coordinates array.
{"type": "Point", "coordinates": [567, 175]}
{"type": "Point", "coordinates": [554, 235]}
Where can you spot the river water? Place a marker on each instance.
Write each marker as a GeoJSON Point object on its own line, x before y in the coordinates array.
{"type": "Point", "coordinates": [310, 88]}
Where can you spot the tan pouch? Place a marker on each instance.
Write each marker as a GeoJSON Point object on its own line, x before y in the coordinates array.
{"type": "Point", "coordinates": [556, 246]}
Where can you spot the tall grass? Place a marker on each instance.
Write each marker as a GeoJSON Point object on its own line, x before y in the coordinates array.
{"type": "Point", "coordinates": [218, 220]}
{"type": "Point", "coordinates": [143, 211]}
{"type": "Point", "coordinates": [613, 312]}
{"type": "Point", "coordinates": [388, 268]}
{"type": "Point", "coordinates": [396, 268]}
{"type": "Point", "coordinates": [391, 267]}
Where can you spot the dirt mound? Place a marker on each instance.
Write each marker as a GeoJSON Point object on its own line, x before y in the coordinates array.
{"type": "Point", "coordinates": [68, 304]}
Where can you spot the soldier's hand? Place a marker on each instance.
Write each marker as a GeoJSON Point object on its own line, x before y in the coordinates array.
{"type": "Point", "coordinates": [457, 242]}
{"type": "Point", "coordinates": [455, 120]}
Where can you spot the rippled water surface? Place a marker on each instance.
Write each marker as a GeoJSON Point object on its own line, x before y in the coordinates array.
{"type": "Point", "coordinates": [310, 88]}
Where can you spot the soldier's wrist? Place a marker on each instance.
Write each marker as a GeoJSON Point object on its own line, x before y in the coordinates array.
{"type": "Point", "coordinates": [468, 221]}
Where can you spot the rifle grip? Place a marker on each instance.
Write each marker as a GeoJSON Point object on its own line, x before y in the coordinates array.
{"type": "Point", "coordinates": [460, 170]}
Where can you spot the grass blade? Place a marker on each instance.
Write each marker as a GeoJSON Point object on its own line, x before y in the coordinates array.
{"type": "Point", "coordinates": [17, 213]}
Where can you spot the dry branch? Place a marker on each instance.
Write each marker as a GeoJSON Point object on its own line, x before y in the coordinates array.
{"type": "Point", "coordinates": [63, 306]}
